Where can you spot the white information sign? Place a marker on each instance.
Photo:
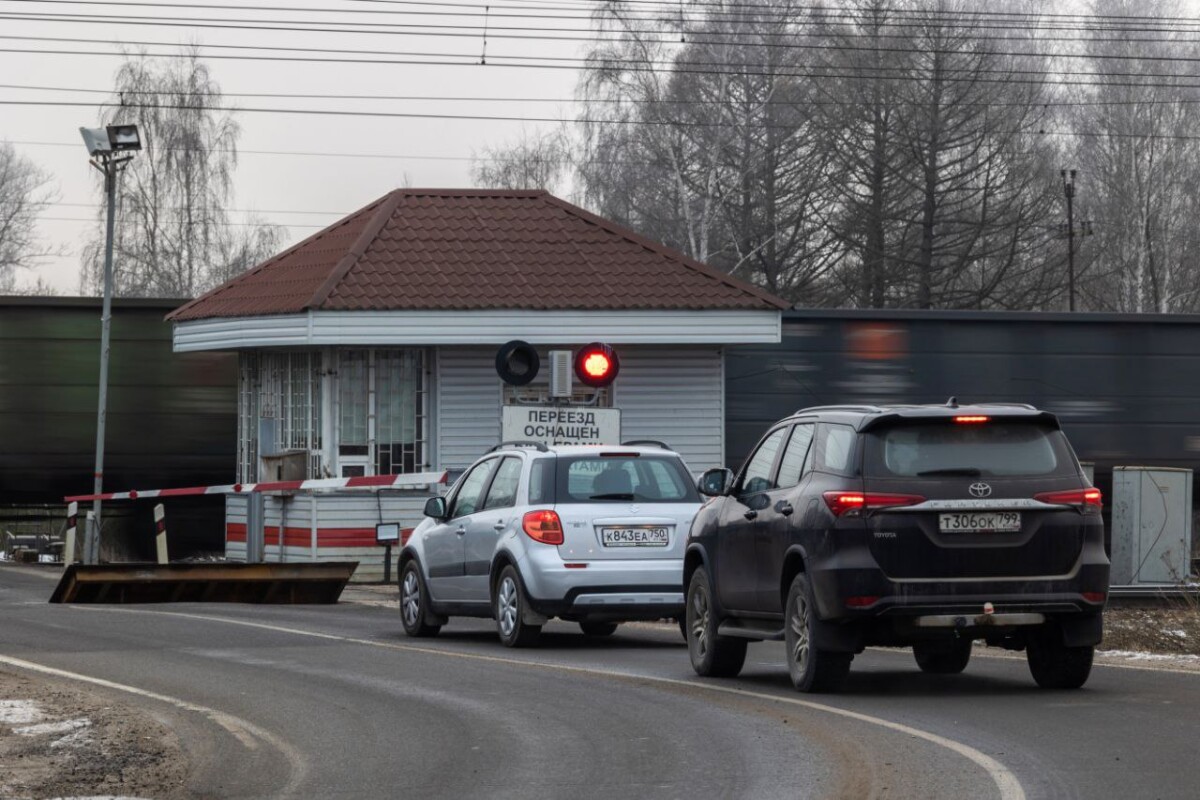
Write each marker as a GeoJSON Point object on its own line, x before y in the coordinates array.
{"type": "Point", "coordinates": [561, 425]}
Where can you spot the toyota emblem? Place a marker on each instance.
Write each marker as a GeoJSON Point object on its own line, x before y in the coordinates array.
{"type": "Point", "coordinates": [979, 489]}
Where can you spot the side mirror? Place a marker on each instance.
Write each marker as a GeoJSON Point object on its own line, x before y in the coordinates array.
{"type": "Point", "coordinates": [715, 482]}
{"type": "Point", "coordinates": [435, 507]}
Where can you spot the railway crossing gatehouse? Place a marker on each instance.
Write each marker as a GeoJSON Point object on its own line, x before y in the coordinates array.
{"type": "Point", "coordinates": [369, 349]}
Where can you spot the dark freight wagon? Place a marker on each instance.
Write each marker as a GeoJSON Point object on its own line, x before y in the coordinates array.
{"type": "Point", "coordinates": [1126, 387]}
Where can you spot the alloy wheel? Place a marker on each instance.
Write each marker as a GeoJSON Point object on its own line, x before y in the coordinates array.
{"type": "Point", "coordinates": [410, 599]}
{"type": "Point", "coordinates": [799, 624]}
{"type": "Point", "coordinates": [700, 621]}
{"type": "Point", "coordinates": [507, 602]}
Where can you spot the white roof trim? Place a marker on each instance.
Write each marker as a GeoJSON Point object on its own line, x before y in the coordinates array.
{"type": "Point", "coordinates": [348, 328]}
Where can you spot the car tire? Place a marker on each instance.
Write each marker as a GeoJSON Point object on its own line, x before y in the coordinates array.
{"type": "Point", "coordinates": [943, 658]}
{"type": "Point", "coordinates": [598, 628]}
{"type": "Point", "coordinates": [509, 603]}
{"type": "Point", "coordinates": [414, 602]}
{"type": "Point", "coordinates": [1054, 665]}
{"type": "Point", "coordinates": [811, 670]}
{"type": "Point", "coordinates": [712, 656]}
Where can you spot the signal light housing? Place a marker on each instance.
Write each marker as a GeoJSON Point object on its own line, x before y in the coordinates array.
{"type": "Point", "coordinates": [596, 365]}
{"type": "Point", "coordinates": [517, 363]}
{"type": "Point", "coordinates": [543, 526]}
{"type": "Point", "coordinates": [853, 504]}
{"type": "Point", "coordinates": [973, 419]}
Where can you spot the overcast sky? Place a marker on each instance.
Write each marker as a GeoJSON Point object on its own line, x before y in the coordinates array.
{"type": "Point", "coordinates": [285, 189]}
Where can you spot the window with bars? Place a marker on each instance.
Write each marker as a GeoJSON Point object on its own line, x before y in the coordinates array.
{"type": "Point", "coordinates": [279, 410]}
{"type": "Point", "coordinates": [382, 412]}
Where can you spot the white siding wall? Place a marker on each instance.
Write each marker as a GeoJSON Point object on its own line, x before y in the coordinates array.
{"type": "Point", "coordinates": [468, 405]}
{"type": "Point", "coordinates": [676, 395]}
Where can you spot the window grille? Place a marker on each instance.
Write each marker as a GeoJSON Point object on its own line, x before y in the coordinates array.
{"type": "Point", "coordinates": [383, 420]}
{"type": "Point", "coordinates": [279, 409]}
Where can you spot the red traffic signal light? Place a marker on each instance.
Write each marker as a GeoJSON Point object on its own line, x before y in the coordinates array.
{"type": "Point", "coordinates": [596, 365]}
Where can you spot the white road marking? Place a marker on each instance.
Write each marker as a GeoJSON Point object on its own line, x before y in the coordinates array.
{"type": "Point", "coordinates": [247, 733]}
{"type": "Point", "coordinates": [1006, 782]}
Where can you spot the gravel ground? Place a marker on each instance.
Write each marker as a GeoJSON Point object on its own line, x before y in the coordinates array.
{"type": "Point", "coordinates": [57, 740]}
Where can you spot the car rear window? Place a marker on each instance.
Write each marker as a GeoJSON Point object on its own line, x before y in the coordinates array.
{"type": "Point", "coordinates": [615, 479]}
{"type": "Point", "coordinates": [998, 448]}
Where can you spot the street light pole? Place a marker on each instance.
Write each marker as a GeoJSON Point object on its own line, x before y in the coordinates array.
{"type": "Point", "coordinates": [103, 145]}
{"type": "Point", "coordinates": [1069, 191]}
{"type": "Point", "coordinates": [91, 550]}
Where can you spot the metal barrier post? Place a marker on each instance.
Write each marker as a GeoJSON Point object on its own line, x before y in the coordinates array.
{"type": "Point", "coordinates": [69, 544]}
{"type": "Point", "coordinates": [160, 533]}
{"type": "Point", "coordinates": [256, 507]}
{"type": "Point", "coordinates": [91, 539]}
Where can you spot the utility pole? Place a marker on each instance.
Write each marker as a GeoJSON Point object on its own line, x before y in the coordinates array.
{"type": "Point", "coordinates": [105, 146]}
{"type": "Point", "coordinates": [1069, 191]}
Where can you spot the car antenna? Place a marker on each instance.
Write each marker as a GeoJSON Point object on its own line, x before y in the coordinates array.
{"type": "Point", "coordinates": [952, 402]}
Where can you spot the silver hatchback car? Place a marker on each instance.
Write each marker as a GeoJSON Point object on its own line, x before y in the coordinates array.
{"type": "Point", "coordinates": [594, 535]}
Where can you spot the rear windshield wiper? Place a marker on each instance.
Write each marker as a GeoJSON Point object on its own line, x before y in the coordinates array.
{"type": "Point", "coordinates": [612, 496]}
{"type": "Point", "coordinates": [967, 471]}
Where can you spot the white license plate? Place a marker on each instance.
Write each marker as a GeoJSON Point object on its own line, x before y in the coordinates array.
{"type": "Point", "coordinates": [634, 537]}
{"type": "Point", "coordinates": [980, 522]}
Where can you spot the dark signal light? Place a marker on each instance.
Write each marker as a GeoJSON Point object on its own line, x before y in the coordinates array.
{"type": "Point", "coordinates": [596, 365]}
{"type": "Point", "coordinates": [517, 363]}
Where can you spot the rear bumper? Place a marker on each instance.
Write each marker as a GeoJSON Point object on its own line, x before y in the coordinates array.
{"type": "Point", "coordinates": [611, 589]}
{"type": "Point", "coordinates": [900, 612]}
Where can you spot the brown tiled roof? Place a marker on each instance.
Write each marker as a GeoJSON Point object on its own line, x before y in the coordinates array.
{"type": "Point", "coordinates": [438, 249]}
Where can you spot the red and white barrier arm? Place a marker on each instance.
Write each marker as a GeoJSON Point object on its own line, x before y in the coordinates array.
{"type": "Point", "coordinates": [413, 481]}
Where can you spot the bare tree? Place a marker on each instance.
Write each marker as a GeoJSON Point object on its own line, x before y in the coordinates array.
{"type": "Point", "coordinates": [174, 237]}
{"type": "Point", "coordinates": [24, 192]}
{"type": "Point", "coordinates": [534, 161]}
{"type": "Point", "coordinates": [1138, 155]}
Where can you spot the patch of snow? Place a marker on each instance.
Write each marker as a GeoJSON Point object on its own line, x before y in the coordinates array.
{"type": "Point", "coordinates": [79, 738]}
{"type": "Point", "coordinates": [65, 726]}
{"type": "Point", "coordinates": [19, 712]}
{"type": "Point", "coordinates": [1137, 655]}
{"type": "Point", "coordinates": [1178, 634]}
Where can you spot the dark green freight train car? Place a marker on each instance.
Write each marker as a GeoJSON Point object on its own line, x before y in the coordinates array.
{"type": "Point", "coordinates": [1126, 387]}
{"type": "Point", "coordinates": [172, 418]}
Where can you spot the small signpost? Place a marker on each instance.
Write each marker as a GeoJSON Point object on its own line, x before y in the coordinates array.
{"type": "Point", "coordinates": [387, 534]}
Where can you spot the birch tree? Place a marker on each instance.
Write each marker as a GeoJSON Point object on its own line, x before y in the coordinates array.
{"type": "Point", "coordinates": [174, 237]}
{"type": "Point", "coordinates": [534, 161]}
{"type": "Point", "coordinates": [1138, 156]}
{"type": "Point", "coordinates": [25, 191]}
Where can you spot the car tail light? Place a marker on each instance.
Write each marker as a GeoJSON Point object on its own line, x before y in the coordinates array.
{"type": "Point", "coordinates": [1094, 597]}
{"type": "Point", "coordinates": [1086, 499]}
{"type": "Point", "coordinates": [861, 601]}
{"type": "Point", "coordinates": [543, 526]}
{"type": "Point", "coordinates": [972, 419]}
{"type": "Point", "coordinates": [854, 503]}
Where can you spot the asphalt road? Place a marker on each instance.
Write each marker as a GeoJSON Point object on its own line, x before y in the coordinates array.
{"type": "Point", "coordinates": [334, 701]}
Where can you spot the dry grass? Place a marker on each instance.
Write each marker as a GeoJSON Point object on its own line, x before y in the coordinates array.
{"type": "Point", "coordinates": [1171, 631]}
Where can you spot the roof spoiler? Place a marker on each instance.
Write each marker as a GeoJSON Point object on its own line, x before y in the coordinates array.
{"type": "Point", "coordinates": [998, 411]}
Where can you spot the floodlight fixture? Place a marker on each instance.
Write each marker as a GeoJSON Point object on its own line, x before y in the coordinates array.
{"type": "Point", "coordinates": [124, 137]}
{"type": "Point", "coordinates": [96, 141]}
{"type": "Point", "coordinates": [114, 138]}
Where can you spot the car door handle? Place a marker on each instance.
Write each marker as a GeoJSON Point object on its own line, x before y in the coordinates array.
{"type": "Point", "coordinates": [784, 508]}
{"type": "Point", "coordinates": [461, 531]}
{"type": "Point", "coordinates": [751, 514]}
{"type": "Point", "coordinates": [500, 526]}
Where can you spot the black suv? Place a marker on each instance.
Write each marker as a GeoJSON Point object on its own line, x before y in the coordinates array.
{"type": "Point", "coordinates": [922, 526]}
